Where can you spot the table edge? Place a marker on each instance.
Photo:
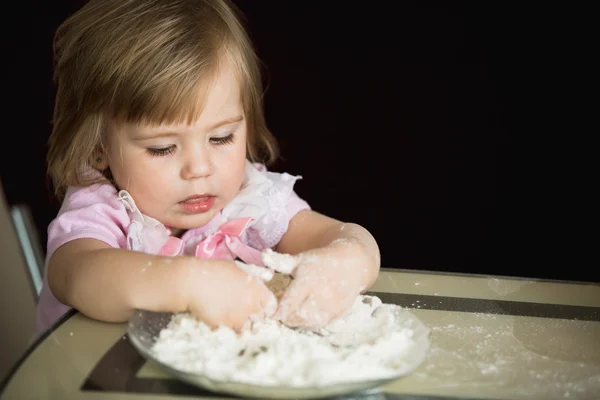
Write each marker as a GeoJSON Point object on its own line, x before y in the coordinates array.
{"type": "Point", "coordinates": [6, 380]}
{"type": "Point", "coordinates": [494, 276]}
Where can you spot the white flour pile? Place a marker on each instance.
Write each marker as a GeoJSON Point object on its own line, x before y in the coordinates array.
{"type": "Point", "coordinates": [372, 340]}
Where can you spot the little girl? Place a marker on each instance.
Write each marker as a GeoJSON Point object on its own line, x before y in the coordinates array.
{"type": "Point", "coordinates": [158, 152]}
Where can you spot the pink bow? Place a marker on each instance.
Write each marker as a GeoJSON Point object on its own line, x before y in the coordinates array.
{"type": "Point", "coordinates": [173, 247]}
{"type": "Point", "coordinates": [225, 243]}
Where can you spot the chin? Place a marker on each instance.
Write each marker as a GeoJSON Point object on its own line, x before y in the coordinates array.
{"type": "Point", "coordinates": [194, 221]}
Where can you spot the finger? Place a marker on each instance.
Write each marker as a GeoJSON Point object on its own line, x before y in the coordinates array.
{"type": "Point", "coordinates": [268, 303]}
{"type": "Point", "coordinates": [239, 325]}
{"type": "Point", "coordinates": [293, 320]}
{"type": "Point", "coordinates": [295, 294]}
{"type": "Point", "coordinates": [310, 315]}
{"type": "Point", "coordinates": [296, 318]}
{"type": "Point", "coordinates": [261, 300]}
{"type": "Point", "coordinates": [345, 305]}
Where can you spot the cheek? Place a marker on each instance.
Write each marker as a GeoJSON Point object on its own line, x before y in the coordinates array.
{"type": "Point", "coordinates": [119, 160]}
{"type": "Point", "coordinates": [233, 155]}
{"type": "Point", "coordinates": [233, 163]}
{"type": "Point", "coordinates": [240, 158]}
{"type": "Point", "coordinates": [137, 171]}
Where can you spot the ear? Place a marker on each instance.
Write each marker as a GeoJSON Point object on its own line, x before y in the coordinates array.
{"type": "Point", "coordinates": [99, 160]}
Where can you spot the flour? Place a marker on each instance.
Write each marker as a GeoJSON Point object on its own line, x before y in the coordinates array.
{"type": "Point", "coordinates": [274, 263]}
{"type": "Point", "coordinates": [256, 271]}
{"type": "Point", "coordinates": [371, 341]}
{"type": "Point", "coordinates": [280, 262]}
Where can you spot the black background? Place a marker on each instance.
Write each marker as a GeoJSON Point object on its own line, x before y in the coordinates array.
{"type": "Point", "coordinates": [451, 130]}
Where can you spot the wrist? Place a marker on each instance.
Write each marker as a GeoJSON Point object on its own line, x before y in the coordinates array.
{"type": "Point", "coordinates": [359, 258]}
{"type": "Point", "coordinates": [367, 251]}
{"type": "Point", "coordinates": [199, 281]}
{"type": "Point", "coordinates": [187, 269]}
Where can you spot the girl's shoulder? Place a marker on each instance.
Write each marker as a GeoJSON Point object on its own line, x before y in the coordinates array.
{"type": "Point", "coordinates": [96, 194]}
{"type": "Point", "coordinates": [93, 212]}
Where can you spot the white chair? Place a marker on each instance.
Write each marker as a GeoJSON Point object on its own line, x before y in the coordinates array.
{"type": "Point", "coordinates": [19, 295]}
{"type": "Point", "coordinates": [30, 243]}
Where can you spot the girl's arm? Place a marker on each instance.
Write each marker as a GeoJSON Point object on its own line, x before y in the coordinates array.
{"type": "Point", "coordinates": [309, 230]}
{"type": "Point", "coordinates": [108, 284]}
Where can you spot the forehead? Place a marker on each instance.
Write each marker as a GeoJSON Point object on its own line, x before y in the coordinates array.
{"type": "Point", "coordinates": [216, 97]}
{"type": "Point", "coordinates": [222, 95]}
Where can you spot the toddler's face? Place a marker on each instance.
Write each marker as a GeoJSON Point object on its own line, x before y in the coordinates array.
{"type": "Point", "coordinates": [182, 175]}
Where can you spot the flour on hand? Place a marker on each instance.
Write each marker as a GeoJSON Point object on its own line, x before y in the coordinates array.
{"type": "Point", "coordinates": [371, 340]}
{"type": "Point", "coordinates": [273, 263]}
{"type": "Point", "coordinates": [262, 273]}
{"type": "Point", "coordinates": [280, 262]}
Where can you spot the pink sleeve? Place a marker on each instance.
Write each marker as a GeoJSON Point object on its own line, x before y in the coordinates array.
{"type": "Point", "coordinates": [93, 212]}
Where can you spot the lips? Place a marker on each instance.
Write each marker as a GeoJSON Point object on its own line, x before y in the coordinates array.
{"type": "Point", "coordinates": [198, 203]}
{"type": "Point", "coordinates": [197, 198]}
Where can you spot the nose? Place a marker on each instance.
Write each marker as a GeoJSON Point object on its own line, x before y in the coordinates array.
{"type": "Point", "coordinates": [197, 163]}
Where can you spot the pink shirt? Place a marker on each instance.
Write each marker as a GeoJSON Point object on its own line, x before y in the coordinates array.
{"type": "Point", "coordinates": [267, 199]}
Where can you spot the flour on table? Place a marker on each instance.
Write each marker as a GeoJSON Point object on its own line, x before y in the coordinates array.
{"type": "Point", "coordinates": [371, 341]}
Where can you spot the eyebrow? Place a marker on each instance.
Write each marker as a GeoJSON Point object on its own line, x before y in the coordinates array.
{"type": "Point", "coordinates": [168, 133]}
{"type": "Point", "coordinates": [227, 121]}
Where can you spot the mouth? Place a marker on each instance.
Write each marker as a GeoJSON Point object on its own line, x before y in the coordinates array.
{"type": "Point", "coordinates": [197, 198]}
{"type": "Point", "coordinates": [197, 203]}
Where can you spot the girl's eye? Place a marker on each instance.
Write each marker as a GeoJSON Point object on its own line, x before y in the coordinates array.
{"type": "Point", "coordinates": [161, 152]}
{"type": "Point", "coordinates": [222, 140]}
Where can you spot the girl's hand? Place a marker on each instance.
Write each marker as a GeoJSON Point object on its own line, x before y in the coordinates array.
{"type": "Point", "coordinates": [326, 282]}
{"type": "Point", "coordinates": [220, 293]}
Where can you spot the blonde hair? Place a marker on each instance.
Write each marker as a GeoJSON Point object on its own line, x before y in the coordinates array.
{"type": "Point", "coordinates": [145, 61]}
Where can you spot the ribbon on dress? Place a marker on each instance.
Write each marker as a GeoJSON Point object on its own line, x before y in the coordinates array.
{"type": "Point", "coordinates": [224, 243]}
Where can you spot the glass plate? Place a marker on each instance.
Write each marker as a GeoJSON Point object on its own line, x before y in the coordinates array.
{"type": "Point", "coordinates": [144, 327]}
